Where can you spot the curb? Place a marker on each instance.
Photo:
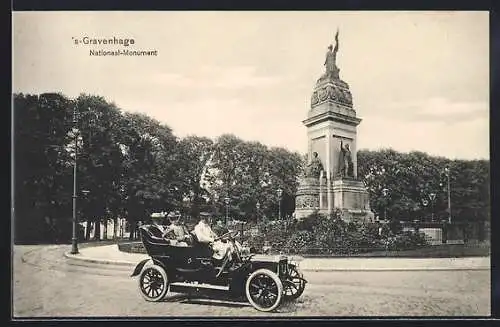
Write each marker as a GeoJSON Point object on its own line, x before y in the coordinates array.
{"type": "Point", "coordinates": [132, 264]}
{"type": "Point", "coordinates": [79, 257]}
{"type": "Point", "coordinates": [393, 269]}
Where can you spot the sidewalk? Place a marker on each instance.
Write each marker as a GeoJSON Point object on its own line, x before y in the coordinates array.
{"type": "Point", "coordinates": [109, 254]}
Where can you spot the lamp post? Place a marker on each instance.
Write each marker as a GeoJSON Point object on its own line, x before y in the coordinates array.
{"type": "Point", "coordinates": [280, 193]}
{"type": "Point", "coordinates": [425, 203]}
{"type": "Point", "coordinates": [385, 193]}
{"type": "Point", "coordinates": [74, 239]}
{"type": "Point", "coordinates": [215, 201]}
{"type": "Point", "coordinates": [447, 172]}
{"type": "Point", "coordinates": [76, 135]}
{"type": "Point", "coordinates": [432, 197]}
{"type": "Point", "coordinates": [257, 206]}
{"type": "Point", "coordinates": [227, 200]}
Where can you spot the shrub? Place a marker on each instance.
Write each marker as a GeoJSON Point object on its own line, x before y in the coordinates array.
{"type": "Point", "coordinates": [320, 235]}
{"type": "Point", "coordinates": [276, 232]}
{"type": "Point", "coordinates": [406, 241]}
{"type": "Point", "coordinates": [299, 241]}
{"type": "Point", "coordinates": [309, 222]}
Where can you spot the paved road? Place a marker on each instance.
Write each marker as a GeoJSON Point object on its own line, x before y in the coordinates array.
{"type": "Point", "coordinates": [45, 285]}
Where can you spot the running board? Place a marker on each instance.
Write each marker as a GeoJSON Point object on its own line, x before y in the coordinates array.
{"type": "Point", "coordinates": [198, 286]}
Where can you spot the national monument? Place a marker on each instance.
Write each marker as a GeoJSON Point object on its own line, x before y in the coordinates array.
{"type": "Point", "coordinates": [330, 180]}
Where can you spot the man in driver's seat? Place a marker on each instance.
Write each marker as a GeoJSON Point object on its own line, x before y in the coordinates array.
{"type": "Point", "coordinates": [222, 250]}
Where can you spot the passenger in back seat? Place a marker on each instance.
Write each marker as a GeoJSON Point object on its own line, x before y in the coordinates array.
{"type": "Point", "coordinates": [177, 232]}
{"type": "Point", "coordinates": [158, 219]}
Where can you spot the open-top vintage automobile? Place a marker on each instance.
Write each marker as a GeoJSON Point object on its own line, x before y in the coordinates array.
{"type": "Point", "coordinates": [263, 280]}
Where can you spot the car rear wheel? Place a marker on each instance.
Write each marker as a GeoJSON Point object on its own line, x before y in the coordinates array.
{"type": "Point", "coordinates": [153, 283]}
{"type": "Point", "coordinates": [264, 290]}
{"type": "Point", "coordinates": [295, 284]}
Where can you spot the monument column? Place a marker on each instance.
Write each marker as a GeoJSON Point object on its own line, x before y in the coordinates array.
{"type": "Point", "coordinates": [328, 172]}
{"type": "Point", "coordinates": [321, 188]}
{"type": "Point", "coordinates": [354, 158]}
{"type": "Point", "coordinates": [309, 146]}
{"type": "Point", "coordinates": [331, 118]}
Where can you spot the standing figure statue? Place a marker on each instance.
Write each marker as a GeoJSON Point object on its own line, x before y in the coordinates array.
{"type": "Point", "coordinates": [331, 69]}
{"type": "Point", "coordinates": [314, 167]}
{"type": "Point", "coordinates": [346, 166]}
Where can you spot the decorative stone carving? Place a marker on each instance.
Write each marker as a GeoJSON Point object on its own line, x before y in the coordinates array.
{"type": "Point", "coordinates": [314, 98]}
{"type": "Point", "coordinates": [314, 167]}
{"type": "Point", "coordinates": [331, 92]}
{"type": "Point", "coordinates": [307, 201]}
{"type": "Point", "coordinates": [346, 166]}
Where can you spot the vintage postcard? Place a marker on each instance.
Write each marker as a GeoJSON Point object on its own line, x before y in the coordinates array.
{"type": "Point", "coordinates": [204, 164]}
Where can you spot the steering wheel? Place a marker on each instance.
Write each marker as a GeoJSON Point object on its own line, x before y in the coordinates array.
{"type": "Point", "coordinates": [228, 234]}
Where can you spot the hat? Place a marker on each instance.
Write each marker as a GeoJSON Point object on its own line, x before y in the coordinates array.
{"type": "Point", "coordinates": [174, 214]}
{"type": "Point", "coordinates": [205, 215]}
{"type": "Point", "coordinates": [330, 46]}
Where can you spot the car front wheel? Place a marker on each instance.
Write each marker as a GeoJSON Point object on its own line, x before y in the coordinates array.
{"type": "Point", "coordinates": [295, 284]}
{"type": "Point", "coordinates": [264, 290]}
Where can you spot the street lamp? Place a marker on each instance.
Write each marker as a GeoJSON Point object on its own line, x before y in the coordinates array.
{"type": "Point", "coordinates": [74, 239]}
{"type": "Point", "coordinates": [432, 197]}
{"type": "Point", "coordinates": [257, 206]}
{"type": "Point", "coordinates": [385, 193]}
{"type": "Point", "coordinates": [425, 203]}
{"type": "Point", "coordinates": [447, 172]}
{"type": "Point", "coordinates": [227, 200]}
{"type": "Point", "coordinates": [280, 193]}
{"type": "Point", "coordinates": [76, 135]}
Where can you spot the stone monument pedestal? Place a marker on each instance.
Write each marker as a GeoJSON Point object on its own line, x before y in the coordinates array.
{"type": "Point", "coordinates": [352, 198]}
{"type": "Point", "coordinates": [308, 199]}
{"type": "Point", "coordinates": [316, 195]}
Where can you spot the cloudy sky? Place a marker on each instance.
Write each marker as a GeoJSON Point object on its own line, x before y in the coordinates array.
{"type": "Point", "coordinates": [420, 80]}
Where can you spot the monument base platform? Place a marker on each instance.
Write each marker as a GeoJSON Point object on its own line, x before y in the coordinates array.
{"type": "Point", "coordinates": [308, 200]}
{"type": "Point", "coordinates": [352, 198]}
{"type": "Point", "coordinates": [318, 195]}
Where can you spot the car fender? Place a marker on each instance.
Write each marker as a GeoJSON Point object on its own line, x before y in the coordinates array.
{"type": "Point", "coordinates": [139, 267]}
{"type": "Point", "coordinates": [296, 266]}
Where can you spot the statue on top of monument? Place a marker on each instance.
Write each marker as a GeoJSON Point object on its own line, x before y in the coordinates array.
{"type": "Point", "coordinates": [346, 166]}
{"type": "Point", "coordinates": [314, 167]}
{"type": "Point", "coordinates": [331, 69]}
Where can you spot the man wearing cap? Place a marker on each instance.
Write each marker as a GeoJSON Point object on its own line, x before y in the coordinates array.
{"type": "Point", "coordinates": [204, 234]}
{"type": "Point", "coordinates": [203, 231]}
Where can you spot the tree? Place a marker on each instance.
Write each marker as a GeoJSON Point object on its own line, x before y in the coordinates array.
{"type": "Point", "coordinates": [412, 177]}
{"type": "Point", "coordinates": [149, 177]}
{"type": "Point", "coordinates": [224, 178]}
{"type": "Point", "coordinates": [193, 156]}
{"type": "Point", "coordinates": [42, 171]}
{"type": "Point", "coordinates": [281, 171]}
{"type": "Point", "coordinates": [249, 172]}
{"type": "Point", "coordinates": [99, 160]}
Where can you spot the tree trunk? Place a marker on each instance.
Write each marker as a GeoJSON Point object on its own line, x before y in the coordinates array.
{"type": "Point", "coordinates": [97, 232]}
{"type": "Point", "coordinates": [105, 229]}
{"type": "Point", "coordinates": [87, 231]}
{"type": "Point", "coordinates": [131, 230]}
{"type": "Point", "coordinates": [115, 227]}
